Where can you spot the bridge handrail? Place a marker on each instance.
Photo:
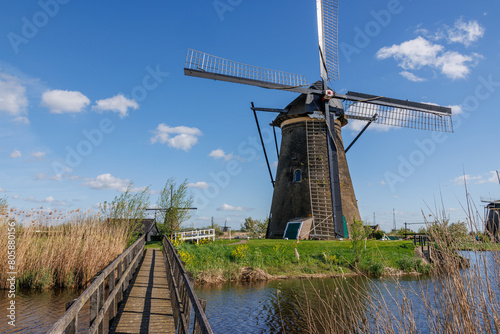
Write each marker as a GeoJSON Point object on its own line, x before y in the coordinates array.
{"type": "Point", "coordinates": [182, 294]}
{"type": "Point", "coordinates": [68, 323]}
{"type": "Point", "coordinates": [187, 235]}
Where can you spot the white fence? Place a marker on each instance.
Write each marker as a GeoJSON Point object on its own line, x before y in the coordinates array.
{"type": "Point", "coordinates": [196, 235]}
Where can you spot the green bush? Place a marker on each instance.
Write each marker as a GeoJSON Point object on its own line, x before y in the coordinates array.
{"type": "Point", "coordinates": [378, 234]}
{"type": "Point", "coordinates": [409, 264]}
{"type": "Point", "coordinates": [372, 268]}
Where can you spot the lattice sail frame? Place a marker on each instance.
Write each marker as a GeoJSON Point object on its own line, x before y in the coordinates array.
{"type": "Point", "coordinates": [396, 116]}
{"type": "Point", "coordinates": [220, 67]}
{"type": "Point", "coordinates": [328, 32]}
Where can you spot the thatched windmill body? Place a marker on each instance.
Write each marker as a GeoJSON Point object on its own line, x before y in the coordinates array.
{"type": "Point", "coordinates": [313, 178]}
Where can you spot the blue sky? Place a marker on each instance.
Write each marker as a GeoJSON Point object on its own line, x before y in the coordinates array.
{"type": "Point", "coordinates": [93, 96]}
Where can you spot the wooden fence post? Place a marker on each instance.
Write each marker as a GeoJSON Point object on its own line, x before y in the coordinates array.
{"type": "Point", "coordinates": [73, 326]}
{"type": "Point", "coordinates": [93, 306]}
{"type": "Point", "coordinates": [197, 327]}
{"type": "Point", "coordinates": [112, 307]}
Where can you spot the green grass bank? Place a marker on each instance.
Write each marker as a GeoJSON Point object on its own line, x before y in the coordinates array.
{"type": "Point", "coordinates": [258, 259]}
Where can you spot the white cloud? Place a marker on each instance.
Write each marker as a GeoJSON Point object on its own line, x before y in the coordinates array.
{"type": "Point", "coordinates": [106, 182]}
{"type": "Point", "coordinates": [356, 125]}
{"type": "Point", "coordinates": [460, 179]}
{"type": "Point", "coordinates": [419, 53]}
{"type": "Point", "coordinates": [410, 76]}
{"type": "Point", "coordinates": [454, 65]}
{"type": "Point", "coordinates": [490, 177]}
{"type": "Point", "coordinates": [462, 32]}
{"type": "Point", "coordinates": [21, 120]}
{"type": "Point", "coordinates": [48, 200]}
{"type": "Point", "coordinates": [16, 196]}
{"type": "Point", "coordinates": [227, 207]}
{"type": "Point", "coordinates": [220, 154]}
{"type": "Point", "coordinates": [198, 185]}
{"type": "Point", "coordinates": [180, 137]}
{"type": "Point", "coordinates": [57, 177]}
{"type": "Point", "coordinates": [456, 109]}
{"type": "Point", "coordinates": [38, 155]}
{"type": "Point", "coordinates": [15, 154]}
{"type": "Point", "coordinates": [2, 190]}
{"type": "Point", "coordinates": [53, 201]}
{"type": "Point", "coordinates": [118, 103]}
{"type": "Point", "coordinates": [12, 95]}
{"type": "Point", "coordinates": [465, 33]}
{"type": "Point", "coordinates": [63, 101]}
{"type": "Point", "coordinates": [412, 54]}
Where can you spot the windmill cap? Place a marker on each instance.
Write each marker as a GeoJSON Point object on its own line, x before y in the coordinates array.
{"type": "Point", "coordinates": [307, 104]}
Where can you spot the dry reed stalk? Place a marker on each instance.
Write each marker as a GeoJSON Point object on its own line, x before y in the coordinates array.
{"type": "Point", "coordinates": [456, 299]}
{"type": "Point", "coordinates": [54, 249]}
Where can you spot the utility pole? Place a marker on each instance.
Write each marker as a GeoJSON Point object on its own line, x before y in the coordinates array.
{"type": "Point", "coordinates": [212, 222]}
{"type": "Point", "coordinates": [374, 221]}
{"type": "Point", "coordinates": [394, 219]}
{"type": "Point", "coordinates": [406, 229]}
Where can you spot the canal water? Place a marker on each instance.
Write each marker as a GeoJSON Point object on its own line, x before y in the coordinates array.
{"type": "Point", "coordinates": [261, 307]}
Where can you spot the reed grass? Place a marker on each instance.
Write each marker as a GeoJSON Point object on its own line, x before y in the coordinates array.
{"type": "Point", "coordinates": [460, 296]}
{"type": "Point", "coordinates": [57, 249]}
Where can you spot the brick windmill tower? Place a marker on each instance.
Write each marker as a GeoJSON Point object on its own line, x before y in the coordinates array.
{"type": "Point", "coordinates": [313, 179]}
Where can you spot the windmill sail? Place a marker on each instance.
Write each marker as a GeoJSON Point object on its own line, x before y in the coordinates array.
{"type": "Point", "coordinates": [393, 112]}
{"type": "Point", "coordinates": [328, 11]}
{"type": "Point", "coordinates": [201, 64]}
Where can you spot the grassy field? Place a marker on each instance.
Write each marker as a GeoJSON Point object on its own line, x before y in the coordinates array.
{"type": "Point", "coordinates": [225, 260]}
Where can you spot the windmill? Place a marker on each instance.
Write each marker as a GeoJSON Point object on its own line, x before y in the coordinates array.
{"type": "Point", "coordinates": [312, 178]}
{"type": "Point", "coordinates": [492, 215]}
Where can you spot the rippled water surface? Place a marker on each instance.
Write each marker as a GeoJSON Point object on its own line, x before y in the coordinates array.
{"type": "Point", "coordinates": [35, 311]}
{"type": "Point", "coordinates": [264, 307]}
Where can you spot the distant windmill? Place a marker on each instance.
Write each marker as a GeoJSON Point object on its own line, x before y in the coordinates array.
{"type": "Point", "coordinates": [492, 215]}
{"type": "Point", "coordinates": [312, 177]}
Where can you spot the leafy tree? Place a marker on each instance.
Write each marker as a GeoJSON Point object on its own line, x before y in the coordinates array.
{"type": "Point", "coordinates": [128, 208]}
{"type": "Point", "coordinates": [255, 227]}
{"type": "Point", "coordinates": [174, 200]}
{"type": "Point", "coordinates": [359, 233]}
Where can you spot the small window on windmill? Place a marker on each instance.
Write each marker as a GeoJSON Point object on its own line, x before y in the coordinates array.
{"type": "Point", "coordinates": [297, 176]}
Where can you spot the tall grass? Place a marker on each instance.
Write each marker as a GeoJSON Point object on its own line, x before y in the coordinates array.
{"type": "Point", "coordinates": [56, 249]}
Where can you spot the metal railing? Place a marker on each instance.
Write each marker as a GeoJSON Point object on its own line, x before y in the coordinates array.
{"type": "Point", "coordinates": [119, 273]}
{"type": "Point", "coordinates": [423, 240]}
{"type": "Point", "coordinates": [182, 295]}
{"type": "Point", "coordinates": [196, 235]}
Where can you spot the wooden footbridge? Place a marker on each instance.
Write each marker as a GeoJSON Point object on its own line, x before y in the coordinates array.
{"type": "Point", "coordinates": [142, 291]}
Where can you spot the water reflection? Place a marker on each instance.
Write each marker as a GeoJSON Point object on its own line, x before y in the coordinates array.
{"type": "Point", "coordinates": [398, 304]}
{"type": "Point", "coordinates": [279, 306]}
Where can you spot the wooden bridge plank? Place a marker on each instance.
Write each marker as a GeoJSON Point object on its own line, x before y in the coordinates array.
{"type": "Point", "coordinates": [146, 308]}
